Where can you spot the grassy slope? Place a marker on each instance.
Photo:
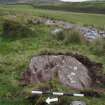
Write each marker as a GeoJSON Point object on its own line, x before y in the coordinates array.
{"type": "Point", "coordinates": [89, 7]}
{"type": "Point", "coordinates": [15, 54]}
{"type": "Point", "coordinates": [81, 18]}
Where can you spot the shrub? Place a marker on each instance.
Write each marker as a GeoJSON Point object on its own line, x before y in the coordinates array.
{"type": "Point", "coordinates": [13, 29]}
{"type": "Point", "coordinates": [73, 36]}
{"type": "Point", "coordinates": [69, 36]}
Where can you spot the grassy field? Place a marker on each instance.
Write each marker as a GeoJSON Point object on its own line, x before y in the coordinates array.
{"type": "Point", "coordinates": [89, 7]}
{"type": "Point", "coordinates": [79, 18]}
{"type": "Point", "coordinates": [15, 54]}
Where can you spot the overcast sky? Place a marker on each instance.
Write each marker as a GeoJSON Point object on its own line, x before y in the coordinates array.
{"type": "Point", "coordinates": [74, 0]}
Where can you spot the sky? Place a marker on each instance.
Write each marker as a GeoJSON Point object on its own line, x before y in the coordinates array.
{"type": "Point", "coordinates": [74, 0]}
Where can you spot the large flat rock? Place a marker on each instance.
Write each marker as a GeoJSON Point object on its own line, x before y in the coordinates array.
{"type": "Point", "coordinates": [67, 69]}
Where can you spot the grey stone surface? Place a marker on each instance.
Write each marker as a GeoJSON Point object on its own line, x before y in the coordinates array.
{"type": "Point", "coordinates": [69, 71]}
{"type": "Point", "coordinates": [78, 103]}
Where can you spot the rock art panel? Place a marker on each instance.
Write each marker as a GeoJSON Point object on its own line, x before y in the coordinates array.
{"type": "Point", "coordinates": [68, 70]}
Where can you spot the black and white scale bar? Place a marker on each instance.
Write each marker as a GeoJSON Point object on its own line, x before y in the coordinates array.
{"type": "Point", "coordinates": [57, 93]}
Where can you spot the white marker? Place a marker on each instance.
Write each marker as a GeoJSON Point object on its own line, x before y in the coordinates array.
{"type": "Point", "coordinates": [57, 93]}
{"type": "Point", "coordinates": [37, 92]}
{"type": "Point", "coordinates": [78, 95]}
{"type": "Point", "coordinates": [48, 100]}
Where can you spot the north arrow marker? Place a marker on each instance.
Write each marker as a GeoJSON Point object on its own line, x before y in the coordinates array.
{"type": "Point", "coordinates": [49, 100]}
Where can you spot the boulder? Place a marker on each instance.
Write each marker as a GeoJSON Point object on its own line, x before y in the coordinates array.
{"type": "Point", "coordinates": [67, 69]}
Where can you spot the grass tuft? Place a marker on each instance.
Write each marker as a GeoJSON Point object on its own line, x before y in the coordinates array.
{"type": "Point", "coordinates": [74, 37]}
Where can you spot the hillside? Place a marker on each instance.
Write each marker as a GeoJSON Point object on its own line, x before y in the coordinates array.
{"type": "Point", "coordinates": [89, 7]}
{"type": "Point", "coordinates": [28, 1]}
{"type": "Point", "coordinates": [39, 1]}
{"type": "Point", "coordinates": [15, 1]}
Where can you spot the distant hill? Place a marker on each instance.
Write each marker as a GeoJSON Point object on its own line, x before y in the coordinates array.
{"type": "Point", "coordinates": [97, 0]}
{"type": "Point", "coordinates": [28, 1]}
{"type": "Point", "coordinates": [15, 1]}
{"type": "Point", "coordinates": [95, 6]}
{"type": "Point", "coordinates": [36, 1]}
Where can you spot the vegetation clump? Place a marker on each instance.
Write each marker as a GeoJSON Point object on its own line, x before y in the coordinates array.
{"type": "Point", "coordinates": [69, 36]}
{"type": "Point", "coordinates": [14, 29]}
{"type": "Point", "coordinates": [73, 36]}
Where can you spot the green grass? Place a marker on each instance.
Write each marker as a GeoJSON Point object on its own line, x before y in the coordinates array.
{"type": "Point", "coordinates": [16, 54]}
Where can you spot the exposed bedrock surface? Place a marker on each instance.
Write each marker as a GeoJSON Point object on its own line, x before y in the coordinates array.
{"type": "Point", "coordinates": [72, 70]}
